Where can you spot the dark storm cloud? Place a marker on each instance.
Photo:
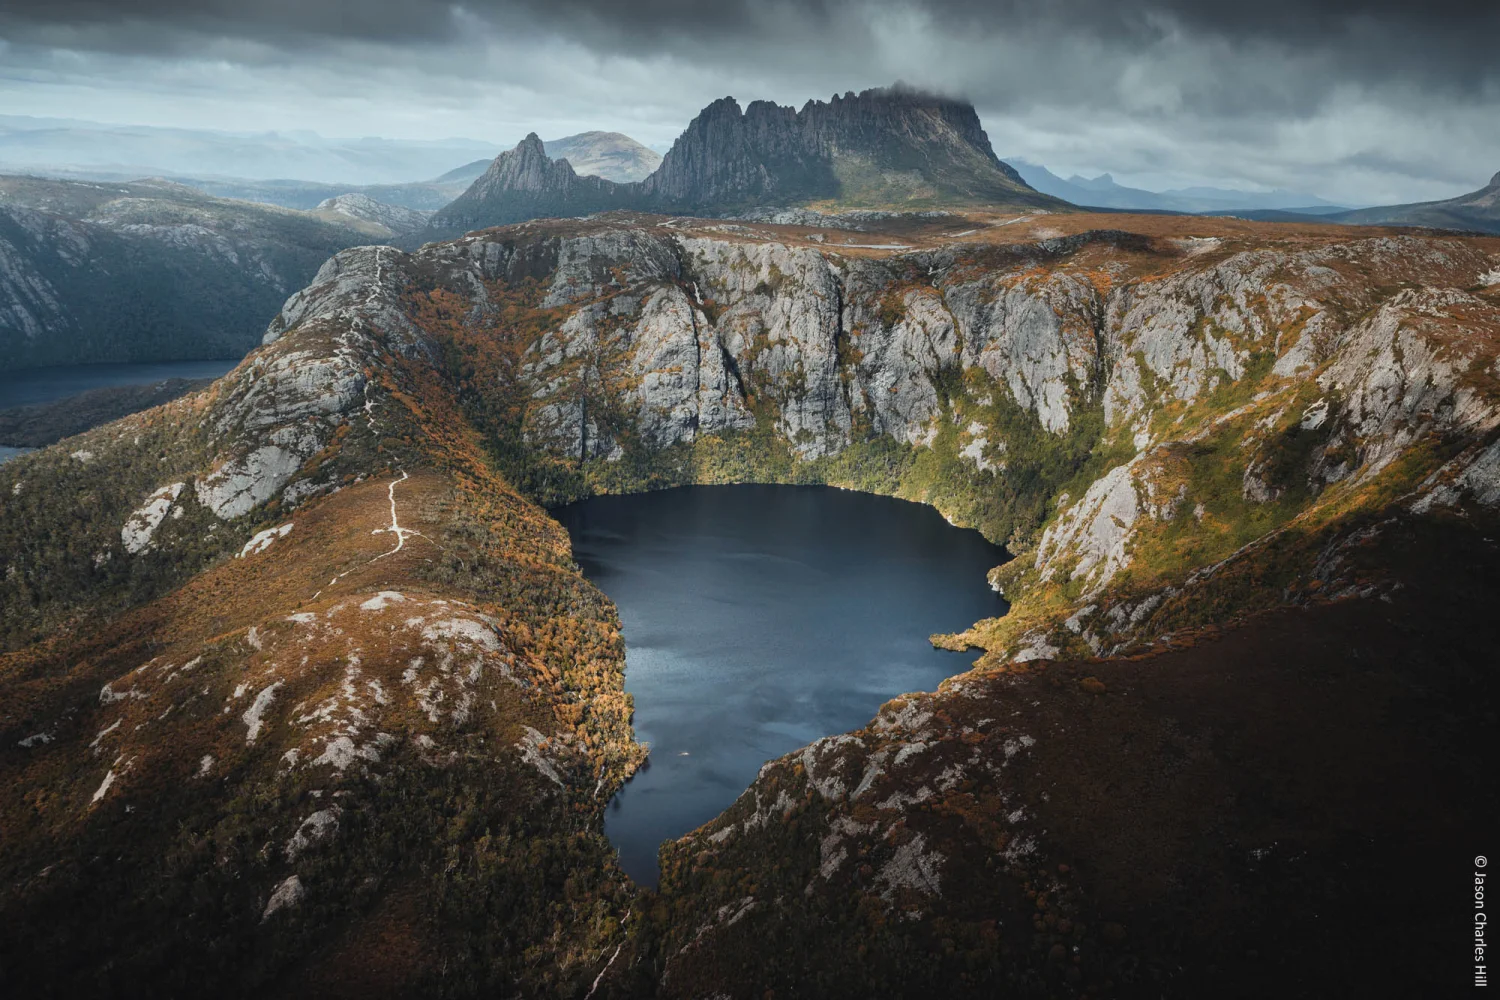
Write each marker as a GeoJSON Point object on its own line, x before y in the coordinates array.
{"type": "Point", "coordinates": [1364, 100]}
{"type": "Point", "coordinates": [1448, 44]}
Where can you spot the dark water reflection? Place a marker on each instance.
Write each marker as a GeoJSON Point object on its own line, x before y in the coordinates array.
{"type": "Point", "coordinates": [27, 386]}
{"type": "Point", "coordinates": [760, 618]}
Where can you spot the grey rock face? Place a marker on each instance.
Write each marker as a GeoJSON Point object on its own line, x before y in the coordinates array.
{"type": "Point", "coordinates": [1035, 335]}
{"type": "Point", "coordinates": [1094, 533]}
{"type": "Point", "coordinates": [243, 484]}
{"type": "Point", "coordinates": [685, 384]}
{"type": "Point", "coordinates": [894, 378]}
{"type": "Point", "coordinates": [780, 321]}
{"type": "Point", "coordinates": [589, 266]}
{"type": "Point", "coordinates": [30, 305]}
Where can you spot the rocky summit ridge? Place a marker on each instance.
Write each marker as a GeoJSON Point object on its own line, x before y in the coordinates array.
{"type": "Point", "coordinates": [313, 698]}
{"type": "Point", "coordinates": [881, 148]}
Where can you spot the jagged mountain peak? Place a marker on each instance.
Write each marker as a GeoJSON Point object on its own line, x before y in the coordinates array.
{"type": "Point", "coordinates": [882, 146]}
{"type": "Point", "coordinates": [527, 166]}
{"type": "Point", "coordinates": [525, 183]}
{"type": "Point", "coordinates": [888, 147]}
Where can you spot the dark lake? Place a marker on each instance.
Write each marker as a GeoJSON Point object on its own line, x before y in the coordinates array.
{"type": "Point", "coordinates": [760, 618]}
{"type": "Point", "coordinates": [27, 386]}
{"type": "Point", "coordinates": [42, 385]}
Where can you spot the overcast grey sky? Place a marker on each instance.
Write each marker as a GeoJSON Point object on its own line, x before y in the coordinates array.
{"type": "Point", "coordinates": [1359, 101]}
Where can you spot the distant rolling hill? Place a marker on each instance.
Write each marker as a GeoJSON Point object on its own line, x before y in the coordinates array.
{"type": "Point", "coordinates": [362, 210]}
{"type": "Point", "coordinates": [610, 155]}
{"type": "Point", "coordinates": [149, 271]}
{"type": "Point", "coordinates": [1478, 211]}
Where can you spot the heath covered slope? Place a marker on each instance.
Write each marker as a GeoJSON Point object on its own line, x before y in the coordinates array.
{"type": "Point", "coordinates": [315, 685]}
{"type": "Point", "coordinates": [310, 699]}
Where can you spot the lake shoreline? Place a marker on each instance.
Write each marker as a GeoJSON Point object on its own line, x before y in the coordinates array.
{"type": "Point", "coordinates": [758, 619]}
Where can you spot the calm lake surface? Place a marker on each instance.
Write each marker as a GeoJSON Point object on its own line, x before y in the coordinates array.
{"type": "Point", "coordinates": [43, 385]}
{"type": "Point", "coordinates": [760, 618]}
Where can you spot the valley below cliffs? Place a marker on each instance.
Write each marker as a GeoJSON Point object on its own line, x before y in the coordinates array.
{"type": "Point", "coordinates": [304, 693]}
{"type": "Point", "coordinates": [149, 270]}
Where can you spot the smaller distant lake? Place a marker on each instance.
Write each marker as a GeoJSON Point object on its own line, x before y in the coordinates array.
{"type": "Point", "coordinates": [43, 385]}
{"type": "Point", "coordinates": [760, 618]}
{"type": "Point", "coordinates": [7, 452]}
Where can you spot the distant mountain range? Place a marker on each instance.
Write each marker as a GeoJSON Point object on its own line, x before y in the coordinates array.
{"type": "Point", "coordinates": [128, 151]}
{"type": "Point", "coordinates": [149, 271]}
{"type": "Point", "coordinates": [883, 148]}
{"type": "Point", "coordinates": [610, 155]}
{"type": "Point", "coordinates": [1103, 192]}
{"type": "Point", "coordinates": [1478, 211]}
